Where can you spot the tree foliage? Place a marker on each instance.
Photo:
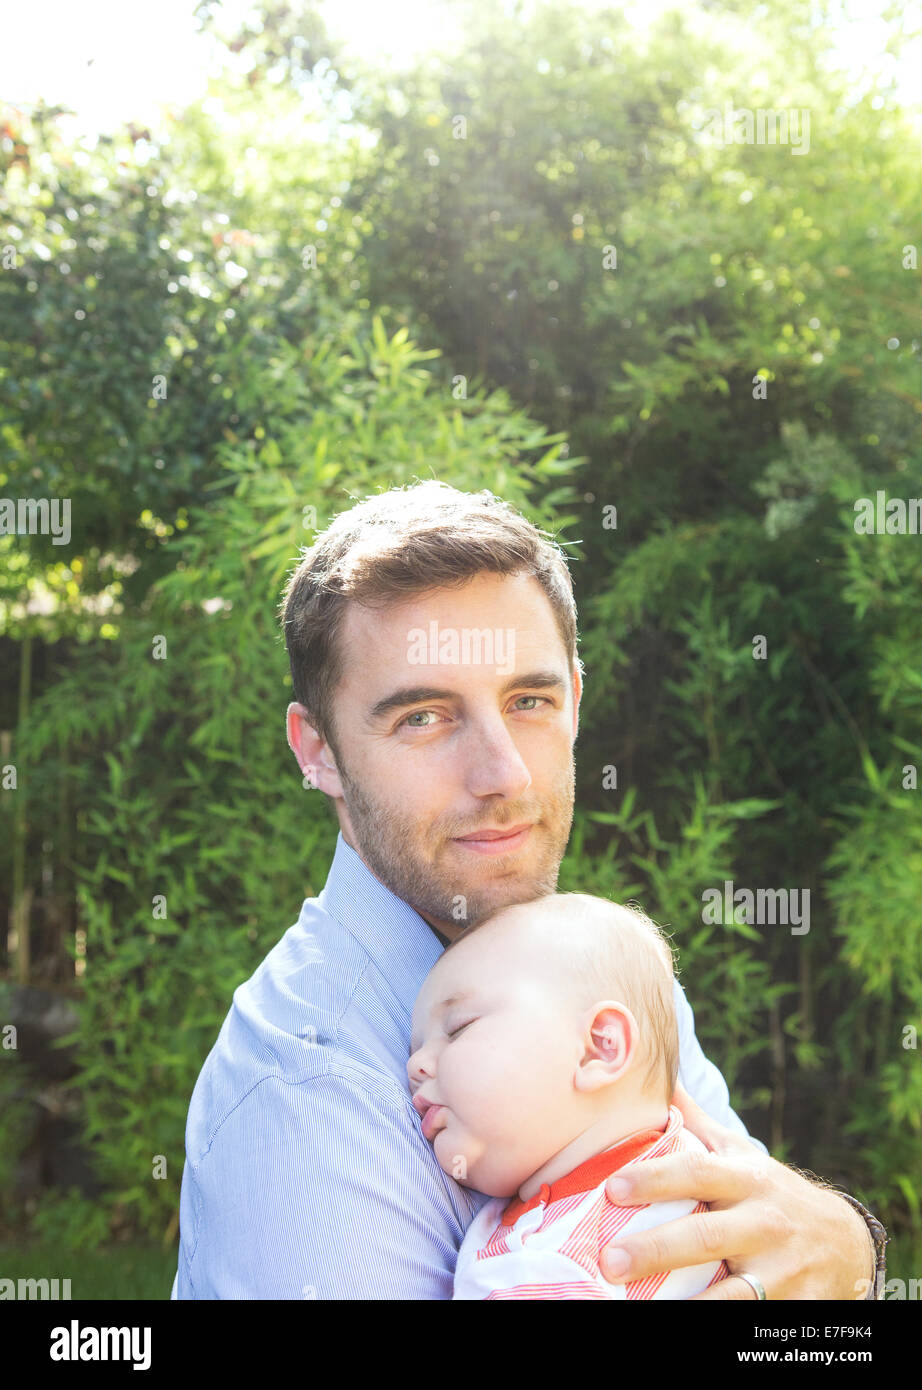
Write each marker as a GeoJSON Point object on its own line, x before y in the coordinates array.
{"type": "Point", "coordinates": [532, 267]}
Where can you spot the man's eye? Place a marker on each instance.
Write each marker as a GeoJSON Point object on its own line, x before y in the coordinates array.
{"type": "Point", "coordinates": [539, 698]}
{"type": "Point", "coordinates": [418, 714]}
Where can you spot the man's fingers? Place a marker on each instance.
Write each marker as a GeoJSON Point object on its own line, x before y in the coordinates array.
{"type": "Point", "coordinates": [729, 1290]}
{"type": "Point", "coordinates": [691, 1240]}
{"type": "Point", "coordinates": [696, 1119]}
{"type": "Point", "coordinates": [704, 1177]}
{"type": "Point", "coordinates": [713, 1135]}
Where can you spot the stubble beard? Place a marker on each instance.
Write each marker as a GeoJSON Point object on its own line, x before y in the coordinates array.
{"type": "Point", "coordinates": [394, 846]}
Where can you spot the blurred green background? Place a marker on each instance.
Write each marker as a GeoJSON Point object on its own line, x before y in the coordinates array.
{"type": "Point", "coordinates": [531, 263]}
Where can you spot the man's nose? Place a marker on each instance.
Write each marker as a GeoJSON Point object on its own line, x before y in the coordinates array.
{"type": "Point", "coordinates": [495, 766]}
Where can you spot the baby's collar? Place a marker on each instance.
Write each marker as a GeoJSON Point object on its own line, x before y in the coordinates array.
{"type": "Point", "coordinates": [595, 1170]}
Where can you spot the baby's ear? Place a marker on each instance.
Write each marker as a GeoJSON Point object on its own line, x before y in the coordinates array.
{"type": "Point", "coordinates": [610, 1046]}
{"type": "Point", "coordinates": [611, 1031]}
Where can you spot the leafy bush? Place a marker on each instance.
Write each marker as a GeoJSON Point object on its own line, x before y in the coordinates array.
{"type": "Point", "coordinates": [197, 842]}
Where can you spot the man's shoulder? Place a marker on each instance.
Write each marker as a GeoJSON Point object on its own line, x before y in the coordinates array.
{"type": "Point", "coordinates": [300, 1020]}
{"type": "Point", "coordinates": [254, 1101]}
{"type": "Point", "coordinates": [301, 989]}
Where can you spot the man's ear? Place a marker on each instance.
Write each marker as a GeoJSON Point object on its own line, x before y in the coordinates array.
{"type": "Point", "coordinates": [314, 756]}
{"type": "Point", "coordinates": [577, 694]}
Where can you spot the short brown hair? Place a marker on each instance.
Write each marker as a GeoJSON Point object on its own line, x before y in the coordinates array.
{"type": "Point", "coordinates": [407, 541]}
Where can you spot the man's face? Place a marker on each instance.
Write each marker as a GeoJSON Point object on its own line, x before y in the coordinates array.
{"type": "Point", "coordinates": [433, 751]}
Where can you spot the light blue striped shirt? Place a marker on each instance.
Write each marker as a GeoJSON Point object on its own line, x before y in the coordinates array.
{"type": "Point", "coordinates": [306, 1173]}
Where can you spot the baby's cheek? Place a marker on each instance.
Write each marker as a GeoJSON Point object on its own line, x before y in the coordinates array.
{"type": "Point", "coordinates": [458, 1153]}
{"type": "Point", "coordinates": [452, 1159]}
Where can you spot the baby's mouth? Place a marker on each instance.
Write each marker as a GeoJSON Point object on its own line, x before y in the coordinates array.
{"type": "Point", "coordinates": [433, 1121]}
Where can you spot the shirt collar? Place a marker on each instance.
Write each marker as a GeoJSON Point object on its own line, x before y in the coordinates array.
{"type": "Point", "coordinates": [595, 1170]}
{"type": "Point", "coordinates": [401, 944]}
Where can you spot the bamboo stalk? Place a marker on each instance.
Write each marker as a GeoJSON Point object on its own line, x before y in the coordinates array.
{"type": "Point", "coordinates": [778, 1075]}
{"type": "Point", "coordinates": [20, 908]}
{"type": "Point", "coordinates": [62, 877]}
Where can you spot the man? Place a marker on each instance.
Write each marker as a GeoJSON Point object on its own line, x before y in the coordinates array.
{"type": "Point", "coordinates": [432, 639]}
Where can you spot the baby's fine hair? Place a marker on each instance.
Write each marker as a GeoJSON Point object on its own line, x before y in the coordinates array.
{"type": "Point", "coordinates": [610, 951]}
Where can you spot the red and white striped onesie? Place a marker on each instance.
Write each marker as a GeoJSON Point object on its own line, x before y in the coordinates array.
{"type": "Point", "coordinates": [549, 1246]}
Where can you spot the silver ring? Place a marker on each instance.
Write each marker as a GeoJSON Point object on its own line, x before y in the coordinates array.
{"type": "Point", "coordinates": [753, 1283]}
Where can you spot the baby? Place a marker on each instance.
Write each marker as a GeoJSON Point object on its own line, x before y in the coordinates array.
{"type": "Point", "coordinates": [544, 1057]}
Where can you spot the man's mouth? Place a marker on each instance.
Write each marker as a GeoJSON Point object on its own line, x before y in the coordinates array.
{"type": "Point", "coordinates": [503, 840]}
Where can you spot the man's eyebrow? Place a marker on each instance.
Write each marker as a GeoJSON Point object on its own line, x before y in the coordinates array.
{"type": "Point", "coordinates": [419, 694]}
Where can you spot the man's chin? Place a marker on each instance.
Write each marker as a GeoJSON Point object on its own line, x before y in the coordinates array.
{"type": "Point", "coordinates": [496, 882]}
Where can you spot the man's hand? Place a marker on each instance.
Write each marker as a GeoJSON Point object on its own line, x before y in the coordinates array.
{"type": "Point", "coordinates": [800, 1240]}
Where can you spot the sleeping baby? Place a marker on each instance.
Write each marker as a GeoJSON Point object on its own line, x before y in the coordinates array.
{"type": "Point", "coordinates": [544, 1057]}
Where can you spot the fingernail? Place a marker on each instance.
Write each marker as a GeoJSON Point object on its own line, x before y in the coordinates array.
{"type": "Point", "coordinates": [617, 1262]}
{"type": "Point", "coordinates": [619, 1188]}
